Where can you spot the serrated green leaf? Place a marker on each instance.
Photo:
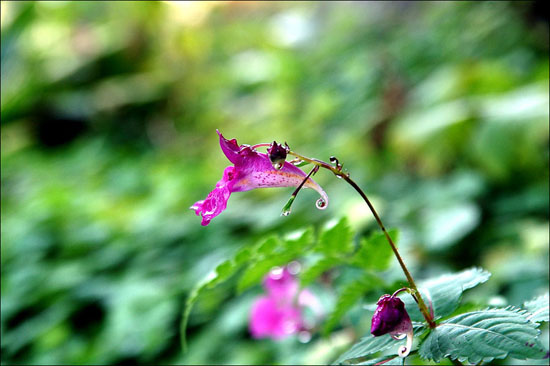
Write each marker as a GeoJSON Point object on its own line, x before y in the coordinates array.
{"type": "Point", "coordinates": [538, 309]}
{"type": "Point", "coordinates": [374, 252]}
{"type": "Point", "coordinates": [302, 238]}
{"type": "Point", "coordinates": [369, 345]}
{"type": "Point", "coordinates": [191, 299]}
{"type": "Point", "coordinates": [349, 296]}
{"type": "Point", "coordinates": [255, 273]}
{"type": "Point", "coordinates": [392, 360]}
{"type": "Point", "coordinates": [483, 336]}
{"type": "Point", "coordinates": [337, 240]}
{"type": "Point", "coordinates": [221, 274]}
{"type": "Point", "coordinates": [243, 255]}
{"type": "Point", "coordinates": [309, 274]}
{"type": "Point", "coordinates": [444, 292]}
{"type": "Point", "coordinates": [268, 246]}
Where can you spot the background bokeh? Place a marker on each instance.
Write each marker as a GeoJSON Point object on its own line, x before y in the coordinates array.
{"type": "Point", "coordinates": [439, 110]}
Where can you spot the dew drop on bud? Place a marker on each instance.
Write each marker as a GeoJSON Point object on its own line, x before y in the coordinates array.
{"type": "Point", "coordinates": [285, 213]}
{"type": "Point", "coordinates": [321, 203]}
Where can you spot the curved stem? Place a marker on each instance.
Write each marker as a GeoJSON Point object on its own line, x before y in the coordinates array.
{"type": "Point", "coordinates": [338, 172]}
{"type": "Point", "coordinates": [259, 145]}
{"type": "Point", "coordinates": [401, 290]}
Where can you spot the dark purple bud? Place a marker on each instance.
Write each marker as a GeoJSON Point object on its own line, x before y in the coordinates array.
{"type": "Point", "coordinates": [390, 317]}
{"type": "Point", "coordinates": [277, 154]}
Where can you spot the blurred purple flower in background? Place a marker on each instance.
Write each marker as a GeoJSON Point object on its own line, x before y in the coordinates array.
{"type": "Point", "coordinates": [280, 313]}
{"type": "Point", "coordinates": [251, 170]}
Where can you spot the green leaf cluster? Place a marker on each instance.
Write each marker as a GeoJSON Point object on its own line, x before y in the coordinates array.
{"type": "Point", "coordinates": [334, 247]}
{"type": "Point", "coordinates": [255, 262]}
{"type": "Point", "coordinates": [108, 118]}
{"type": "Point", "coordinates": [371, 255]}
{"type": "Point", "coordinates": [444, 292]}
{"type": "Point", "coordinates": [482, 336]}
{"type": "Point", "coordinates": [475, 336]}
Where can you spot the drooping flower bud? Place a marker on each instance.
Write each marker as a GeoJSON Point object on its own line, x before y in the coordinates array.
{"type": "Point", "coordinates": [277, 155]}
{"type": "Point", "coordinates": [391, 317]}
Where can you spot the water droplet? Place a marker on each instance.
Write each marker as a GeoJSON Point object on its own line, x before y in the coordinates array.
{"type": "Point", "coordinates": [289, 326]}
{"type": "Point", "coordinates": [285, 212]}
{"type": "Point", "coordinates": [321, 203]}
{"type": "Point", "coordinates": [276, 273]}
{"type": "Point", "coordinates": [277, 166]}
{"type": "Point", "coordinates": [294, 267]}
{"type": "Point", "coordinates": [304, 336]}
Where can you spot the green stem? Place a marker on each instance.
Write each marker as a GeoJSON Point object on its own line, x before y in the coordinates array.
{"type": "Point", "coordinates": [338, 172]}
{"type": "Point", "coordinates": [286, 208]}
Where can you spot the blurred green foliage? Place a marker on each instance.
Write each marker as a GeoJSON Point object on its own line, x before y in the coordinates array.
{"type": "Point", "coordinates": [108, 117]}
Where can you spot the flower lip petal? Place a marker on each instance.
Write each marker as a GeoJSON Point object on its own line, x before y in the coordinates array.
{"type": "Point", "coordinates": [216, 201]}
{"type": "Point", "coordinates": [281, 284]}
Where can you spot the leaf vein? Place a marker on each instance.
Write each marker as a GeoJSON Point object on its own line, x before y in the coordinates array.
{"type": "Point", "coordinates": [469, 327]}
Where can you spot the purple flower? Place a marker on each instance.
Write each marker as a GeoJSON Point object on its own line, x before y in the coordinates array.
{"type": "Point", "coordinates": [271, 320]}
{"type": "Point", "coordinates": [391, 317]}
{"type": "Point", "coordinates": [250, 170]}
{"type": "Point", "coordinates": [280, 313]}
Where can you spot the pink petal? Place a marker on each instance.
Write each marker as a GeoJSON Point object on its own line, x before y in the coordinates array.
{"type": "Point", "coordinates": [290, 322]}
{"type": "Point", "coordinates": [269, 319]}
{"type": "Point", "coordinates": [216, 201]}
{"type": "Point", "coordinates": [263, 317]}
{"type": "Point", "coordinates": [281, 284]}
